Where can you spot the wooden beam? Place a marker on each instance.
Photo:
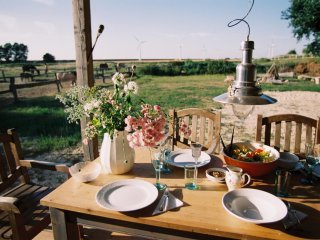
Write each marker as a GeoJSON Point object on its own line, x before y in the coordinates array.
{"type": "Point", "coordinates": [84, 66]}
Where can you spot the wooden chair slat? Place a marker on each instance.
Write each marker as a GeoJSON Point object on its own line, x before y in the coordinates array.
{"type": "Point", "coordinates": [13, 178]}
{"type": "Point", "coordinates": [317, 136]}
{"type": "Point", "coordinates": [211, 130]}
{"type": "Point", "coordinates": [3, 172]}
{"type": "Point", "coordinates": [309, 134]}
{"type": "Point", "coordinates": [297, 143]}
{"type": "Point", "coordinates": [15, 145]}
{"type": "Point", "coordinates": [10, 158]}
{"type": "Point", "coordinates": [287, 137]}
{"type": "Point", "coordinates": [194, 128]}
{"type": "Point", "coordinates": [277, 136]}
{"type": "Point", "coordinates": [217, 129]}
{"type": "Point", "coordinates": [267, 134]}
{"type": "Point", "coordinates": [259, 128]}
{"type": "Point", "coordinates": [202, 130]}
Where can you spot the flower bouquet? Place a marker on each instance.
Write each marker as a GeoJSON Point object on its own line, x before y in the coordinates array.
{"type": "Point", "coordinates": [107, 109]}
{"type": "Point", "coordinates": [124, 120]}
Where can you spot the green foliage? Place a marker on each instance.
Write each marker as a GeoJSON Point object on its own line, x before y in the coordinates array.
{"type": "Point", "coordinates": [304, 18]}
{"type": "Point", "coordinates": [293, 52]}
{"type": "Point", "coordinates": [262, 68]}
{"type": "Point", "coordinates": [188, 68]}
{"type": "Point", "coordinates": [48, 58]}
{"type": "Point", "coordinates": [18, 52]}
{"type": "Point", "coordinates": [221, 67]}
{"type": "Point", "coordinates": [41, 123]}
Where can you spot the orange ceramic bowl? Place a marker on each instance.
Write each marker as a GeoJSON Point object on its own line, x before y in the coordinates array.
{"type": "Point", "coordinates": [254, 169]}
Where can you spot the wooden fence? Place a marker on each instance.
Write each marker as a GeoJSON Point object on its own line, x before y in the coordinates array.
{"type": "Point", "coordinates": [13, 87]}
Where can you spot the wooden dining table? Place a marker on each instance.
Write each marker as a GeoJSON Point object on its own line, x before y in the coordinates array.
{"type": "Point", "coordinates": [202, 215]}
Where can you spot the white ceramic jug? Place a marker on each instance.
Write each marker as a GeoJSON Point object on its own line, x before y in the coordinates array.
{"type": "Point", "coordinates": [235, 178]}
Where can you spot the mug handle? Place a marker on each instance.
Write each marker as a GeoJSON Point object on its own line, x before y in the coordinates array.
{"type": "Point", "coordinates": [243, 179]}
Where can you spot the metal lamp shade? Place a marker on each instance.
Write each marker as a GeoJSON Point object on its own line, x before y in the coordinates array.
{"type": "Point", "coordinates": [245, 90]}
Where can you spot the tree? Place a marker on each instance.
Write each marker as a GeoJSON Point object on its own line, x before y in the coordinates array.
{"type": "Point", "coordinates": [292, 52]}
{"type": "Point", "coordinates": [7, 50]}
{"type": "Point", "coordinates": [48, 58]}
{"type": "Point", "coordinates": [18, 52]}
{"type": "Point", "coordinates": [304, 18]}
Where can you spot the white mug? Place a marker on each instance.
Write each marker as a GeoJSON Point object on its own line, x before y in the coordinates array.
{"type": "Point", "coordinates": [235, 178]}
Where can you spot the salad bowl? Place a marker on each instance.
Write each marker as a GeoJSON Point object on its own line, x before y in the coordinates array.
{"type": "Point", "coordinates": [254, 158]}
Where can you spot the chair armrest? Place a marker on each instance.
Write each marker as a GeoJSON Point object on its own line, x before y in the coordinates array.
{"type": "Point", "coordinates": [9, 204]}
{"type": "Point", "coordinates": [46, 165]}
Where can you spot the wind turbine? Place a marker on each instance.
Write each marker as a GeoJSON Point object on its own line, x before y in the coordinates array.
{"type": "Point", "coordinates": [272, 49]}
{"type": "Point", "coordinates": [204, 51]}
{"type": "Point", "coordinates": [180, 51]}
{"type": "Point", "coordinates": [139, 47]}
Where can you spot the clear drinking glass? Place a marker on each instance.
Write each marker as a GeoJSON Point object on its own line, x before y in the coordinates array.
{"type": "Point", "coordinates": [196, 153]}
{"type": "Point", "coordinates": [311, 160]}
{"type": "Point", "coordinates": [157, 165]}
{"type": "Point", "coordinates": [166, 153]}
{"type": "Point", "coordinates": [282, 183]}
{"type": "Point", "coordinates": [189, 176]}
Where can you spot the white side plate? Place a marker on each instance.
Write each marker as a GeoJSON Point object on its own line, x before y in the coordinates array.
{"type": "Point", "coordinates": [255, 206]}
{"type": "Point", "coordinates": [183, 157]}
{"type": "Point", "coordinates": [127, 195]}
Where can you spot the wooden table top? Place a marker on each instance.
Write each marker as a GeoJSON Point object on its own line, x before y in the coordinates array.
{"type": "Point", "coordinates": [202, 211]}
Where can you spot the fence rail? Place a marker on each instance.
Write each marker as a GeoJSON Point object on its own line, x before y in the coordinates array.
{"type": "Point", "coordinates": [13, 87]}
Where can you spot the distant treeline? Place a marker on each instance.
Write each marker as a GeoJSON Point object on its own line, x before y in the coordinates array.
{"type": "Point", "coordinates": [191, 68]}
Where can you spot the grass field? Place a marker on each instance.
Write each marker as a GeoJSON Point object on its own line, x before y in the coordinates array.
{"type": "Point", "coordinates": [42, 124]}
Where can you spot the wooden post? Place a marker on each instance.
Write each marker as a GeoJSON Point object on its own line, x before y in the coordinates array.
{"type": "Point", "coordinates": [12, 88]}
{"type": "Point", "coordinates": [84, 66]}
{"type": "Point", "coordinates": [3, 76]}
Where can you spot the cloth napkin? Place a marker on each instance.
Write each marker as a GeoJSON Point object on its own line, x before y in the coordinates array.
{"type": "Point", "coordinates": [173, 202]}
{"type": "Point", "coordinates": [293, 218]}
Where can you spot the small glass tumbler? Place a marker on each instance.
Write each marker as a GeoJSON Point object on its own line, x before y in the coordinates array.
{"type": "Point", "coordinates": [282, 183]}
{"type": "Point", "coordinates": [190, 176]}
{"type": "Point", "coordinates": [157, 165]}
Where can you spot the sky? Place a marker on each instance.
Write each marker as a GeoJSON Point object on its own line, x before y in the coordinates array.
{"type": "Point", "coordinates": [187, 29]}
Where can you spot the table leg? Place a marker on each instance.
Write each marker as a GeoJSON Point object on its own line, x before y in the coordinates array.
{"type": "Point", "coordinates": [62, 227]}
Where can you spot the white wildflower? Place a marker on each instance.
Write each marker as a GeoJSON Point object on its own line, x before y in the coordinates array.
{"type": "Point", "coordinates": [96, 103]}
{"type": "Point", "coordinates": [88, 107]}
{"type": "Point", "coordinates": [118, 79]}
{"type": "Point", "coordinates": [131, 87]}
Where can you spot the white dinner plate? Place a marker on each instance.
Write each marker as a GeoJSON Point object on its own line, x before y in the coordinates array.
{"type": "Point", "coordinates": [182, 157]}
{"type": "Point", "coordinates": [255, 206]}
{"type": "Point", "coordinates": [127, 195]}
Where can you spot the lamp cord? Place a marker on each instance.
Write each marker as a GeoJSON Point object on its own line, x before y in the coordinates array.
{"type": "Point", "coordinates": [239, 20]}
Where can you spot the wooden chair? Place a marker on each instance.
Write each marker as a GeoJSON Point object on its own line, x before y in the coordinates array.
{"type": "Point", "coordinates": [21, 215]}
{"type": "Point", "coordinates": [204, 125]}
{"type": "Point", "coordinates": [281, 131]}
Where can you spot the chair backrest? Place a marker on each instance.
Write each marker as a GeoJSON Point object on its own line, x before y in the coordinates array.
{"type": "Point", "coordinates": [10, 155]}
{"type": "Point", "coordinates": [204, 125]}
{"type": "Point", "coordinates": [288, 132]}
